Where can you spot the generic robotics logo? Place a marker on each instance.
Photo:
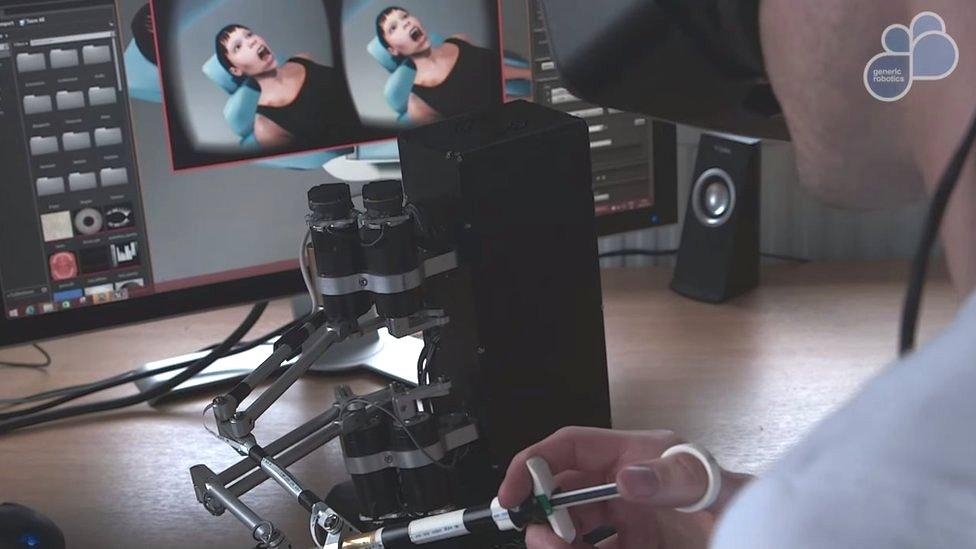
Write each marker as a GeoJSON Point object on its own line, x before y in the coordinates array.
{"type": "Point", "coordinates": [923, 52]}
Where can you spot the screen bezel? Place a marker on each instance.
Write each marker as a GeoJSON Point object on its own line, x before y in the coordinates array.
{"type": "Point", "coordinates": [286, 283]}
{"type": "Point", "coordinates": [152, 307]}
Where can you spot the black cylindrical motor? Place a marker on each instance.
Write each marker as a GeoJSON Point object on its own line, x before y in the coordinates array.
{"type": "Point", "coordinates": [338, 254]}
{"type": "Point", "coordinates": [425, 488]}
{"type": "Point", "coordinates": [390, 250]}
{"type": "Point", "coordinates": [366, 434]}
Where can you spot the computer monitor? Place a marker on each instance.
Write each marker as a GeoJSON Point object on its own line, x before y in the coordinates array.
{"type": "Point", "coordinates": [100, 224]}
{"type": "Point", "coordinates": [634, 157]}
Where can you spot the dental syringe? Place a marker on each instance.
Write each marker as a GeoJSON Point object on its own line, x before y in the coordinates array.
{"type": "Point", "coordinates": [544, 507]}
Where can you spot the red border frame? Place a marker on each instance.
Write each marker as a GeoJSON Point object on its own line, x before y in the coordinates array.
{"type": "Point", "coordinates": [166, 122]}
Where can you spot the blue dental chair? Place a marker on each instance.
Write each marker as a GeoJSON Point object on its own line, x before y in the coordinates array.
{"type": "Point", "coordinates": [399, 85]}
{"type": "Point", "coordinates": [142, 77]}
{"type": "Point", "coordinates": [241, 110]}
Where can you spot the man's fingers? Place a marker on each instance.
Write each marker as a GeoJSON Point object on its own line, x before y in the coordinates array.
{"type": "Point", "coordinates": [675, 481]}
{"type": "Point", "coordinates": [538, 536]}
{"type": "Point", "coordinates": [572, 448]}
{"type": "Point", "coordinates": [567, 481]}
{"type": "Point", "coordinates": [564, 450]}
{"type": "Point", "coordinates": [589, 517]}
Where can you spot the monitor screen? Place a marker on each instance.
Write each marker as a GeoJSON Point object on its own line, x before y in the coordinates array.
{"type": "Point", "coordinates": [634, 158]}
{"type": "Point", "coordinates": [241, 83]}
{"type": "Point", "coordinates": [100, 225]}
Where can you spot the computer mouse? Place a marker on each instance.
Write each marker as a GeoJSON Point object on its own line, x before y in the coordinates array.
{"type": "Point", "coordinates": [25, 528]}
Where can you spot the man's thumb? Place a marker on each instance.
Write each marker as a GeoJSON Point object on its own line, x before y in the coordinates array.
{"type": "Point", "coordinates": [675, 481]}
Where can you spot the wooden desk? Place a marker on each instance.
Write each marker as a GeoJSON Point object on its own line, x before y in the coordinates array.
{"type": "Point", "coordinates": [747, 379]}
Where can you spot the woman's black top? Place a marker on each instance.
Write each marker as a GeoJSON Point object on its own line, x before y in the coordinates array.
{"type": "Point", "coordinates": [323, 112]}
{"type": "Point", "coordinates": [473, 83]}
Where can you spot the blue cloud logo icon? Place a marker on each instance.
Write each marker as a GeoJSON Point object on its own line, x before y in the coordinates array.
{"type": "Point", "coordinates": [923, 51]}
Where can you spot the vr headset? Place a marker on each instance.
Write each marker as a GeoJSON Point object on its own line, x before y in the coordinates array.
{"type": "Point", "coordinates": [700, 62]}
{"type": "Point", "coordinates": [696, 62]}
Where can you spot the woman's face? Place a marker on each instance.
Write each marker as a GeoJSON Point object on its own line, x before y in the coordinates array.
{"type": "Point", "coordinates": [405, 34]}
{"type": "Point", "coordinates": [249, 54]}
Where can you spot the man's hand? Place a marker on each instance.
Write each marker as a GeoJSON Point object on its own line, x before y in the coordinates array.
{"type": "Point", "coordinates": [651, 488]}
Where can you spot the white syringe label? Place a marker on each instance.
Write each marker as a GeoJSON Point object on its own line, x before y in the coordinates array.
{"type": "Point", "coordinates": [431, 529]}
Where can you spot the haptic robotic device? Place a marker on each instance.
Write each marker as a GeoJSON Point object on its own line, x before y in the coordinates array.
{"type": "Point", "coordinates": [487, 248]}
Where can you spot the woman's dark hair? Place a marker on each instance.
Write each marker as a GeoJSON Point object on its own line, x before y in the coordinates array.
{"type": "Point", "coordinates": [220, 46]}
{"type": "Point", "coordinates": [379, 24]}
{"type": "Point", "coordinates": [142, 33]}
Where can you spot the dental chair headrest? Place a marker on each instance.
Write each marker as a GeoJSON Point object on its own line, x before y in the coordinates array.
{"type": "Point", "coordinates": [219, 75]}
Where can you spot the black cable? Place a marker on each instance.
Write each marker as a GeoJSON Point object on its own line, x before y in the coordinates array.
{"type": "Point", "coordinates": [261, 340]}
{"type": "Point", "coordinates": [781, 257]}
{"type": "Point", "coordinates": [30, 365]}
{"type": "Point", "coordinates": [425, 354]}
{"type": "Point", "coordinates": [78, 391]}
{"type": "Point", "coordinates": [421, 360]}
{"type": "Point", "coordinates": [155, 392]}
{"type": "Point", "coordinates": [665, 253]}
{"type": "Point", "coordinates": [46, 395]}
{"type": "Point", "coordinates": [920, 265]}
{"type": "Point", "coordinates": [432, 340]}
{"type": "Point", "coordinates": [645, 253]}
{"type": "Point", "coordinates": [66, 394]}
{"type": "Point", "coordinates": [92, 388]}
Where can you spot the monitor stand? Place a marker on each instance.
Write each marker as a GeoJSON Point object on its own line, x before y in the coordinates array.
{"type": "Point", "coordinates": [378, 352]}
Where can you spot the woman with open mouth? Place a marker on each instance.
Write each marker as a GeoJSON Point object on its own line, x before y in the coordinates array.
{"type": "Point", "coordinates": [302, 103]}
{"type": "Point", "coordinates": [452, 78]}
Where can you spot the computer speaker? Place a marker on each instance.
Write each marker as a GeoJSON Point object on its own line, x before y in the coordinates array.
{"type": "Point", "coordinates": [719, 254]}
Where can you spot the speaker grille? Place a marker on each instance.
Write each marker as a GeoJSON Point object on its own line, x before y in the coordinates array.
{"type": "Point", "coordinates": [713, 198]}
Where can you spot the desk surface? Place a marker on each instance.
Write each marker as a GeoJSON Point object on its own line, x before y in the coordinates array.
{"type": "Point", "coordinates": [746, 379]}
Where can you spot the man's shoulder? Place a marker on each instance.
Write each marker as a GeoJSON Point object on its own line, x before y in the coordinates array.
{"type": "Point", "coordinates": [896, 459]}
{"type": "Point", "coordinates": [924, 399]}
{"type": "Point", "coordinates": [848, 511]}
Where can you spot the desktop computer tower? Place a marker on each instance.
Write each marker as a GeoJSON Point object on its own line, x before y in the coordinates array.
{"type": "Point", "coordinates": [510, 190]}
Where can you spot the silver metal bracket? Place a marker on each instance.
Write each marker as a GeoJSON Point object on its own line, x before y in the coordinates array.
{"type": "Point", "coordinates": [412, 459]}
{"type": "Point", "coordinates": [403, 402]}
{"type": "Point", "coordinates": [334, 525]}
{"type": "Point", "coordinates": [387, 284]}
{"type": "Point", "coordinates": [416, 323]}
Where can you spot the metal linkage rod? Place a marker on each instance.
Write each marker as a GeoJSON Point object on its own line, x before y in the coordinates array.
{"type": "Point", "coordinates": [290, 344]}
{"type": "Point", "coordinates": [286, 441]}
{"type": "Point", "coordinates": [217, 498]}
{"type": "Point", "coordinates": [286, 347]}
{"type": "Point", "coordinates": [312, 428]}
{"type": "Point", "coordinates": [318, 343]}
{"type": "Point", "coordinates": [286, 458]}
{"type": "Point", "coordinates": [306, 497]}
{"type": "Point", "coordinates": [242, 424]}
{"type": "Point", "coordinates": [226, 405]}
